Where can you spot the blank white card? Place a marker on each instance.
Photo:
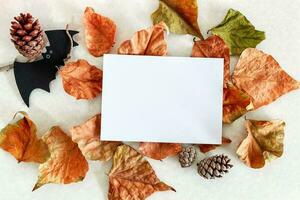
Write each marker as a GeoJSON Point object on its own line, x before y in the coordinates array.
{"type": "Point", "coordinates": [162, 99]}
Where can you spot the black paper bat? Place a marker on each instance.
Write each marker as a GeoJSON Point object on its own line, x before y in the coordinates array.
{"type": "Point", "coordinates": [39, 74]}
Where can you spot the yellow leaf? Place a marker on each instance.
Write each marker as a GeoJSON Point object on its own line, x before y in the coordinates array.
{"type": "Point", "coordinates": [132, 177]}
{"type": "Point", "coordinates": [179, 15]}
{"type": "Point", "coordinates": [66, 163]}
{"type": "Point", "coordinates": [264, 142]}
{"type": "Point", "coordinates": [87, 136]}
{"type": "Point", "coordinates": [21, 141]}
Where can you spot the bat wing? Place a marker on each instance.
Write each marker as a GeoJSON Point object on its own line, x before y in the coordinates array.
{"type": "Point", "coordinates": [39, 74]}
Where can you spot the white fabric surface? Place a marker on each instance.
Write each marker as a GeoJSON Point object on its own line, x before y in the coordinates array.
{"type": "Point", "coordinates": [278, 180]}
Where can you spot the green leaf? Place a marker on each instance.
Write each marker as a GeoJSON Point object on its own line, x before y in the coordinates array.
{"type": "Point", "coordinates": [238, 32]}
{"type": "Point", "coordinates": [179, 16]}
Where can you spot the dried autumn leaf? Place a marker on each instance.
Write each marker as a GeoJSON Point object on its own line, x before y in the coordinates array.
{"type": "Point", "coordinates": [261, 77]}
{"type": "Point", "coordinates": [66, 163]}
{"type": "Point", "coordinates": [100, 32]}
{"type": "Point", "coordinates": [204, 148]}
{"type": "Point", "coordinates": [264, 142]}
{"type": "Point", "coordinates": [235, 103]}
{"type": "Point", "coordinates": [132, 177]}
{"type": "Point", "coordinates": [214, 47]}
{"type": "Point", "coordinates": [150, 41]}
{"type": "Point", "coordinates": [179, 15]}
{"type": "Point", "coordinates": [87, 136]}
{"type": "Point", "coordinates": [238, 32]}
{"type": "Point", "coordinates": [21, 141]}
{"type": "Point", "coordinates": [159, 151]}
{"type": "Point", "coordinates": [81, 80]}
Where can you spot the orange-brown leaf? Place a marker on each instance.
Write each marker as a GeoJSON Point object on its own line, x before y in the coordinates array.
{"type": "Point", "coordinates": [260, 76]}
{"type": "Point", "coordinates": [132, 177]}
{"type": "Point", "coordinates": [235, 103]}
{"type": "Point", "coordinates": [87, 136]}
{"type": "Point", "coordinates": [264, 142]}
{"type": "Point", "coordinates": [81, 80]}
{"type": "Point", "coordinates": [159, 151]}
{"type": "Point", "coordinates": [214, 47]}
{"type": "Point", "coordinates": [204, 148]}
{"type": "Point", "coordinates": [100, 32]}
{"type": "Point", "coordinates": [66, 163]}
{"type": "Point", "coordinates": [21, 141]}
{"type": "Point", "coordinates": [149, 41]}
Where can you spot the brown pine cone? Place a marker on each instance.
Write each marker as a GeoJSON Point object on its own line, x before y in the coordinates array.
{"type": "Point", "coordinates": [27, 36]}
{"type": "Point", "coordinates": [214, 167]}
{"type": "Point", "coordinates": [187, 156]}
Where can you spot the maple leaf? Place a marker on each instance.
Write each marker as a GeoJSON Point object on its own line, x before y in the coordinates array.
{"type": "Point", "coordinates": [238, 32]}
{"type": "Point", "coordinates": [264, 142]}
{"type": "Point", "coordinates": [66, 163]}
{"type": "Point", "coordinates": [159, 151]}
{"type": "Point", "coordinates": [87, 136]}
{"type": "Point", "coordinates": [261, 77]}
{"type": "Point", "coordinates": [179, 15]}
{"type": "Point", "coordinates": [81, 80]}
{"type": "Point", "coordinates": [235, 103]}
{"type": "Point", "coordinates": [214, 47]}
{"type": "Point", "coordinates": [132, 177]}
{"type": "Point", "coordinates": [20, 140]}
{"type": "Point", "coordinates": [100, 32]}
{"type": "Point", "coordinates": [204, 148]}
{"type": "Point", "coordinates": [150, 41]}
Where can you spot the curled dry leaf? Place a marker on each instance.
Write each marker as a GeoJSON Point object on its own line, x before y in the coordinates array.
{"type": "Point", "coordinates": [179, 15]}
{"type": "Point", "coordinates": [150, 41]}
{"type": "Point", "coordinates": [204, 148]}
{"type": "Point", "coordinates": [132, 177]}
{"type": "Point", "coordinates": [264, 142]}
{"type": "Point", "coordinates": [87, 136]}
{"type": "Point", "coordinates": [66, 163]}
{"type": "Point", "coordinates": [100, 32]}
{"type": "Point", "coordinates": [81, 80]}
{"type": "Point", "coordinates": [20, 140]}
{"type": "Point", "coordinates": [214, 47]}
{"type": "Point", "coordinates": [238, 32]}
{"type": "Point", "coordinates": [260, 76]}
{"type": "Point", "coordinates": [235, 103]}
{"type": "Point", "coordinates": [159, 151]}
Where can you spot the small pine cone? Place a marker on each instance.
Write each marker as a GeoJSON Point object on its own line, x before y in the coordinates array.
{"type": "Point", "coordinates": [214, 167]}
{"type": "Point", "coordinates": [27, 36]}
{"type": "Point", "coordinates": [187, 156]}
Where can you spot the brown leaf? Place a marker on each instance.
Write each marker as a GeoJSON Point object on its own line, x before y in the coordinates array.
{"type": "Point", "coordinates": [149, 41]}
{"type": "Point", "coordinates": [204, 148]}
{"type": "Point", "coordinates": [159, 151]}
{"type": "Point", "coordinates": [260, 76]}
{"type": "Point", "coordinates": [264, 142]}
{"type": "Point", "coordinates": [87, 136]}
{"type": "Point", "coordinates": [21, 141]}
{"type": "Point", "coordinates": [180, 15]}
{"type": "Point", "coordinates": [132, 177]}
{"type": "Point", "coordinates": [81, 80]}
{"type": "Point", "coordinates": [99, 32]}
{"type": "Point", "coordinates": [235, 103]}
{"type": "Point", "coordinates": [66, 163]}
{"type": "Point", "coordinates": [214, 47]}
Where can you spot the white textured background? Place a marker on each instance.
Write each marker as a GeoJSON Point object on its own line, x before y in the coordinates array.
{"type": "Point", "coordinates": [278, 180]}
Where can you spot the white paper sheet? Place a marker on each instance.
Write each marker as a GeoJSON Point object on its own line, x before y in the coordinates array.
{"type": "Point", "coordinates": [162, 99]}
